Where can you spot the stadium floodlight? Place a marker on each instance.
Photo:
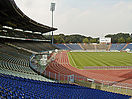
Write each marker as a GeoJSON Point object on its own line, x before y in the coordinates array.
{"type": "Point", "coordinates": [52, 9]}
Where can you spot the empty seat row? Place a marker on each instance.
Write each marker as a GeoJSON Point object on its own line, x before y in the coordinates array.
{"type": "Point", "coordinates": [15, 87]}
{"type": "Point", "coordinates": [74, 46]}
{"type": "Point", "coordinates": [117, 46]}
{"type": "Point", "coordinates": [35, 46]}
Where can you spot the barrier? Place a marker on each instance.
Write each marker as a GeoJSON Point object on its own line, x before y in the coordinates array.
{"type": "Point", "coordinates": [108, 67]}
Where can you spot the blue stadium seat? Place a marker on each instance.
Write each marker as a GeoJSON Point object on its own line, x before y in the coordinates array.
{"type": "Point", "coordinates": [120, 46]}
{"type": "Point", "coordinates": [129, 46]}
{"type": "Point", "coordinates": [74, 46]}
{"type": "Point", "coordinates": [12, 87]}
{"type": "Point", "coordinates": [117, 46]}
{"type": "Point", "coordinates": [62, 46]}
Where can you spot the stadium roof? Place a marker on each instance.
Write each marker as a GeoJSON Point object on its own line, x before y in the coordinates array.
{"type": "Point", "coordinates": [12, 16]}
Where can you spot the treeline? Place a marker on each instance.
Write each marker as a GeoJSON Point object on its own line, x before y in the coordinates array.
{"type": "Point", "coordinates": [61, 38]}
{"type": "Point", "coordinates": [116, 38]}
{"type": "Point", "coordinates": [120, 38]}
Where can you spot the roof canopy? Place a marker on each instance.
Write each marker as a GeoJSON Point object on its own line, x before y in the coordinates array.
{"type": "Point", "coordinates": [12, 16]}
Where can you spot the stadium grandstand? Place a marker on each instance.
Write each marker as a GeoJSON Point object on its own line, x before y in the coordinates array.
{"type": "Point", "coordinates": [32, 68]}
{"type": "Point", "coordinates": [95, 47]}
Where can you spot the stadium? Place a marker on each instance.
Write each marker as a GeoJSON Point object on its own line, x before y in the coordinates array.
{"type": "Point", "coordinates": [33, 68]}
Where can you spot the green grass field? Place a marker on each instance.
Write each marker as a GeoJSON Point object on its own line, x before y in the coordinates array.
{"type": "Point", "coordinates": [84, 59]}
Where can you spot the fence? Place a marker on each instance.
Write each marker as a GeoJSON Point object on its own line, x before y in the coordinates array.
{"type": "Point", "coordinates": [116, 87]}
{"type": "Point", "coordinates": [108, 67]}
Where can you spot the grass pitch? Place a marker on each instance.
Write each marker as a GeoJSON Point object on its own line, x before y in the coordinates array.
{"type": "Point", "coordinates": [84, 59]}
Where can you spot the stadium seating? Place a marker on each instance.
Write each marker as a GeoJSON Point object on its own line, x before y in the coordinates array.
{"type": "Point", "coordinates": [15, 60]}
{"type": "Point", "coordinates": [62, 46]}
{"type": "Point", "coordinates": [24, 75]}
{"type": "Point", "coordinates": [20, 34]}
{"type": "Point", "coordinates": [113, 47]}
{"type": "Point", "coordinates": [102, 47]}
{"type": "Point", "coordinates": [95, 47]}
{"type": "Point", "coordinates": [34, 46]}
{"type": "Point", "coordinates": [129, 46]}
{"type": "Point", "coordinates": [117, 46]}
{"type": "Point", "coordinates": [12, 87]}
{"type": "Point", "coordinates": [74, 46]}
{"type": "Point", "coordinates": [88, 46]}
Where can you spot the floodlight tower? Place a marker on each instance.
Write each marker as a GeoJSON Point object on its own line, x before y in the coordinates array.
{"type": "Point", "coordinates": [52, 9]}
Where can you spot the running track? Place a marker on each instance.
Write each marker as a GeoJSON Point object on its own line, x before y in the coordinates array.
{"type": "Point", "coordinates": [61, 65]}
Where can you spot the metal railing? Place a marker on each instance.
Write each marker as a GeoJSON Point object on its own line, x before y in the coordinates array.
{"type": "Point", "coordinates": [107, 67]}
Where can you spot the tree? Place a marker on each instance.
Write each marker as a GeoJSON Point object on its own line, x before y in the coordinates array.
{"type": "Point", "coordinates": [128, 40]}
{"type": "Point", "coordinates": [116, 38]}
{"type": "Point", "coordinates": [85, 40]}
{"type": "Point", "coordinates": [121, 40]}
{"type": "Point", "coordinates": [93, 40]}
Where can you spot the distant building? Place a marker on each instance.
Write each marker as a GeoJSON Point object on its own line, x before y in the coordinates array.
{"type": "Point", "coordinates": [105, 40]}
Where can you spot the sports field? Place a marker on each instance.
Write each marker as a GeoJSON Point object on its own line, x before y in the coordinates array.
{"type": "Point", "coordinates": [84, 59]}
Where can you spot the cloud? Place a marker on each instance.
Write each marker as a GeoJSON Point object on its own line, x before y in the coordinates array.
{"type": "Point", "coordinates": [98, 21]}
{"type": "Point", "coordinates": [95, 18]}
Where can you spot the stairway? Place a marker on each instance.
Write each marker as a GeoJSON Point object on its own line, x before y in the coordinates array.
{"type": "Point", "coordinates": [109, 46]}
{"type": "Point", "coordinates": [68, 47]}
{"type": "Point", "coordinates": [81, 46]}
{"type": "Point", "coordinates": [124, 46]}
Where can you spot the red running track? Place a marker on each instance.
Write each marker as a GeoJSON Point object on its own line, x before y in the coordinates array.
{"type": "Point", "coordinates": [61, 65]}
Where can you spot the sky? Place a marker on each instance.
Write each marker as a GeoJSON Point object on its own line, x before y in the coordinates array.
{"type": "Point", "coordinates": [95, 18]}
